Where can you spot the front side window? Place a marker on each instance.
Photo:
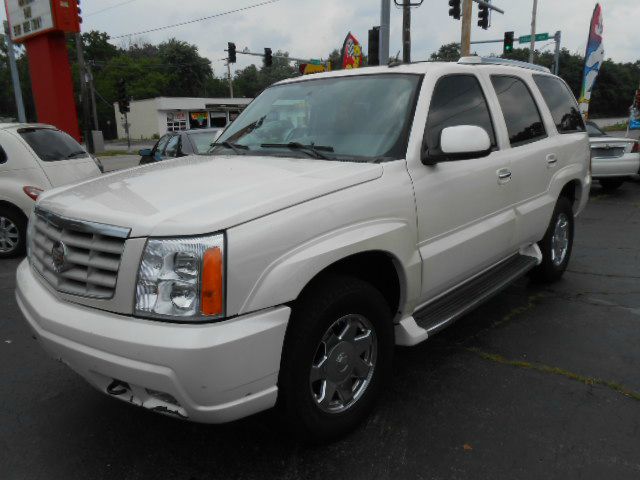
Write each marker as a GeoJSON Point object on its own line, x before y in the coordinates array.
{"type": "Point", "coordinates": [353, 118]}
{"type": "Point", "coordinates": [159, 148]}
{"type": "Point", "coordinates": [457, 100]}
{"type": "Point", "coordinates": [171, 149]}
{"type": "Point", "coordinates": [51, 145]}
{"type": "Point", "coordinates": [561, 103]}
{"type": "Point", "coordinates": [520, 111]}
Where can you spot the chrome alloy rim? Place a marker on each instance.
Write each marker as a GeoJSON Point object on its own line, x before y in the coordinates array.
{"type": "Point", "coordinates": [560, 240]}
{"type": "Point", "coordinates": [9, 235]}
{"type": "Point", "coordinates": [343, 363]}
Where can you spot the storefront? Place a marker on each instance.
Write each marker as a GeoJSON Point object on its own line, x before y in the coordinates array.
{"type": "Point", "coordinates": [157, 116]}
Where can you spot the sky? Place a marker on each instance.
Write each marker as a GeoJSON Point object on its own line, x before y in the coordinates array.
{"type": "Point", "coordinates": [312, 28]}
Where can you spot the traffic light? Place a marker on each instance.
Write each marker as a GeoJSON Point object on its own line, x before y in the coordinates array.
{"type": "Point", "coordinates": [231, 48]}
{"type": "Point", "coordinates": [483, 16]}
{"type": "Point", "coordinates": [508, 42]}
{"type": "Point", "coordinates": [373, 55]}
{"type": "Point", "coordinates": [123, 98]}
{"type": "Point", "coordinates": [268, 57]}
{"type": "Point", "coordinates": [79, 10]}
{"type": "Point", "coordinates": [455, 10]}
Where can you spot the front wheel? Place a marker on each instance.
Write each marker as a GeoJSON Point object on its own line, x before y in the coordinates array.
{"type": "Point", "coordinates": [557, 243]}
{"type": "Point", "coordinates": [337, 355]}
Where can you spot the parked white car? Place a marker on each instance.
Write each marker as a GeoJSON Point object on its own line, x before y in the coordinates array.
{"type": "Point", "coordinates": [34, 158]}
{"type": "Point", "coordinates": [341, 214]}
{"type": "Point", "coordinates": [613, 159]}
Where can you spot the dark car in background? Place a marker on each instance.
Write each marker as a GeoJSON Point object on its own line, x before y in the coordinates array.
{"type": "Point", "coordinates": [180, 144]}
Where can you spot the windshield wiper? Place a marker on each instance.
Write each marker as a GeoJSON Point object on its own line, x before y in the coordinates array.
{"type": "Point", "coordinates": [76, 153]}
{"type": "Point", "coordinates": [311, 149]}
{"type": "Point", "coordinates": [236, 147]}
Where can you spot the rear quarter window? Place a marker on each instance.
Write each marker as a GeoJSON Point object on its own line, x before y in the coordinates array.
{"type": "Point", "coordinates": [52, 145]}
{"type": "Point", "coordinates": [3, 156]}
{"type": "Point", "coordinates": [561, 103]}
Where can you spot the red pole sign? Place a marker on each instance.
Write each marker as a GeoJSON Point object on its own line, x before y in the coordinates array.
{"type": "Point", "coordinates": [41, 25]}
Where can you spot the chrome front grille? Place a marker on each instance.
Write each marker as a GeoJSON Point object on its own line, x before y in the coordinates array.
{"type": "Point", "coordinates": [76, 257]}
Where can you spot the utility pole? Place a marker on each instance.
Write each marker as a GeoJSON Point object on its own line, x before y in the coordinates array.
{"type": "Point", "coordinates": [229, 77]}
{"type": "Point", "coordinates": [406, 32]}
{"type": "Point", "coordinates": [15, 78]}
{"type": "Point", "coordinates": [84, 92]}
{"type": "Point", "coordinates": [92, 90]}
{"type": "Point", "coordinates": [534, 14]}
{"type": "Point", "coordinates": [556, 57]}
{"type": "Point", "coordinates": [385, 13]}
{"type": "Point", "coordinates": [465, 42]}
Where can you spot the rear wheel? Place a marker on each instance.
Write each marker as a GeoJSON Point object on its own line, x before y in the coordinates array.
{"type": "Point", "coordinates": [337, 355]}
{"type": "Point", "coordinates": [557, 243]}
{"type": "Point", "coordinates": [611, 184]}
{"type": "Point", "coordinates": [13, 232]}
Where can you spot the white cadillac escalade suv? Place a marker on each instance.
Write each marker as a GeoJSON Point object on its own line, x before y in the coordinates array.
{"type": "Point", "coordinates": [341, 214]}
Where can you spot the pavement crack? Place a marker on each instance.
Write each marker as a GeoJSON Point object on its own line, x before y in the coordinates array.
{"type": "Point", "coordinates": [550, 370]}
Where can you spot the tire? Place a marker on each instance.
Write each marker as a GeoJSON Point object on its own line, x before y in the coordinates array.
{"type": "Point", "coordinates": [335, 301]}
{"type": "Point", "coordinates": [610, 184]}
{"type": "Point", "coordinates": [553, 265]}
{"type": "Point", "coordinates": [13, 232]}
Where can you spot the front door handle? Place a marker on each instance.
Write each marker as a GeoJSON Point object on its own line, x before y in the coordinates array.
{"type": "Point", "coordinates": [552, 160]}
{"type": "Point", "coordinates": [504, 175]}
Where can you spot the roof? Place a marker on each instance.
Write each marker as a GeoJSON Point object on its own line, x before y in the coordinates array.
{"type": "Point", "coordinates": [15, 126]}
{"type": "Point", "coordinates": [465, 65]}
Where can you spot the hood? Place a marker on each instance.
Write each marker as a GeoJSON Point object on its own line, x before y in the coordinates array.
{"type": "Point", "coordinates": [202, 194]}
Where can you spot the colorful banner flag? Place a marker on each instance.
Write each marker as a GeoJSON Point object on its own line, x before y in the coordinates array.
{"type": "Point", "coordinates": [593, 60]}
{"type": "Point", "coordinates": [351, 52]}
{"type": "Point", "coordinates": [634, 118]}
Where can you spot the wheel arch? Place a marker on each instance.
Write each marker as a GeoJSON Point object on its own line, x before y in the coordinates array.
{"type": "Point", "coordinates": [573, 191]}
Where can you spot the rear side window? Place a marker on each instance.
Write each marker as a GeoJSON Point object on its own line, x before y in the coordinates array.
{"type": "Point", "coordinates": [52, 145]}
{"type": "Point", "coordinates": [562, 104]}
{"type": "Point", "coordinates": [457, 100]}
{"type": "Point", "coordinates": [520, 111]}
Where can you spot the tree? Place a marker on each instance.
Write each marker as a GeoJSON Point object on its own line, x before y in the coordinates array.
{"type": "Point", "coordinates": [447, 53]}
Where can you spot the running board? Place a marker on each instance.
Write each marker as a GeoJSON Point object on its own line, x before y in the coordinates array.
{"type": "Point", "coordinates": [447, 308]}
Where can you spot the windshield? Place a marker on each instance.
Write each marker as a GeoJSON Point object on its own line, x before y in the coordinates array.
{"type": "Point", "coordinates": [52, 145]}
{"type": "Point", "coordinates": [593, 130]}
{"type": "Point", "coordinates": [360, 118]}
{"type": "Point", "coordinates": [202, 140]}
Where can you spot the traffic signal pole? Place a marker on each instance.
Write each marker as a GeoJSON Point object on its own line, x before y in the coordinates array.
{"type": "Point", "coordinates": [534, 15]}
{"type": "Point", "coordinates": [229, 77]}
{"type": "Point", "coordinates": [15, 78]}
{"type": "Point", "coordinates": [465, 41]}
{"type": "Point", "coordinates": [84, 92]}
{"type": "Point", "coordinates": [556, 56]}
{"type": "Point", "coordinates": [385, 13]}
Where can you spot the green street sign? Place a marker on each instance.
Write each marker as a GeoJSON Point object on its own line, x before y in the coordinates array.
{"type": "Point", "coordinates": [539, 38]}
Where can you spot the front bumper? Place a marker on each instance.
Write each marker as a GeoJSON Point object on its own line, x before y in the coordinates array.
{"type": "Point", "coordinates": [624, 166]}
{"type": "Point", "coordinates": [210, 373]}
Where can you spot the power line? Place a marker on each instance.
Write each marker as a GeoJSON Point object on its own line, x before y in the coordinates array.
{"type": "Point", "coordinates": [196, 20]}
{"type": "Point", "coordinates": [109, 8]}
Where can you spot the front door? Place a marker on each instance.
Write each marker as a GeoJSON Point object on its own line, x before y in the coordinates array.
{"type": "Point", "coordinates": [466, 221]}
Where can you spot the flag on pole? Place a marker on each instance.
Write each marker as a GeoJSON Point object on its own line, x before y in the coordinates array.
{"type": "Point", "coordinates": [351, 52]}
{"type": "Point", "coordinates": [593, 60]}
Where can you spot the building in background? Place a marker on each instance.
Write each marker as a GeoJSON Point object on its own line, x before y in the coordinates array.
{"type": "Point", "coordinates": [157, 116]}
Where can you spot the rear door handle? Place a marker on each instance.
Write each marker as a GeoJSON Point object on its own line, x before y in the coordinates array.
{"type": "Point", "coordinates": [504, 175]}
{"type": "Point", "coordinates": [552, 160]}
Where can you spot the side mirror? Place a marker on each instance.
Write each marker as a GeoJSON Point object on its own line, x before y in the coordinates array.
{"type": "Point", "coordinates": [145, 152]}
{"type": "Point", "coordinates": [461, 142]}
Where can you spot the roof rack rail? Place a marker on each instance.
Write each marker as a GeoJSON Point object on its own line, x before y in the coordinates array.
{"type": "Point", "coordinates": [475, 60]}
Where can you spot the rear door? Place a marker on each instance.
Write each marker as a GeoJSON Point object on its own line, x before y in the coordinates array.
{"type": "Point", "coordinates": [534, 152]}
{"type": "Point", "coordinates": [465, 216]}
{"type": "Point", "coordinates": [61, 158]}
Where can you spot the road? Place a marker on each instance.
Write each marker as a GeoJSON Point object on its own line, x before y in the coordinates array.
{"type": "Point", "coordinates": [541, 382]}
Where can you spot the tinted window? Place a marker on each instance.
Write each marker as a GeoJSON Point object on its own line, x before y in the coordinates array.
{"type": "Point", "coordinates": [521, 113]}
{"type": "Point", "coordinates": [172, 147]}
{"type": "Point", "coordinates": [51, 145]}
{"type": "Point", "coordinates": [561, 103]}
{"type": "Point", "coordinates": [3, 156]}
{"type": "Point", "coordinates": [161, 144]}
{"type": "Point", "coordinates": [456, 100]}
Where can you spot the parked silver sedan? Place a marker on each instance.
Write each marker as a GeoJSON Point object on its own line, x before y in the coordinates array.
{"type": "Point", "coordinates": [613, 159]}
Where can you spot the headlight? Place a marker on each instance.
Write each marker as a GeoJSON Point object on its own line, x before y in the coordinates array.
{"type": "Point", "coordinates": [182, 279]}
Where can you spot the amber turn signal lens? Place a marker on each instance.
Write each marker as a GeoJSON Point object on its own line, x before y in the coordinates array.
{"type": "Point", "coordinates": [212, 283]}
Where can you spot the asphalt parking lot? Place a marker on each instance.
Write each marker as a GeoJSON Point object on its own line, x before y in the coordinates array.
{"type": "Point", "coordinates": [541, 382]}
